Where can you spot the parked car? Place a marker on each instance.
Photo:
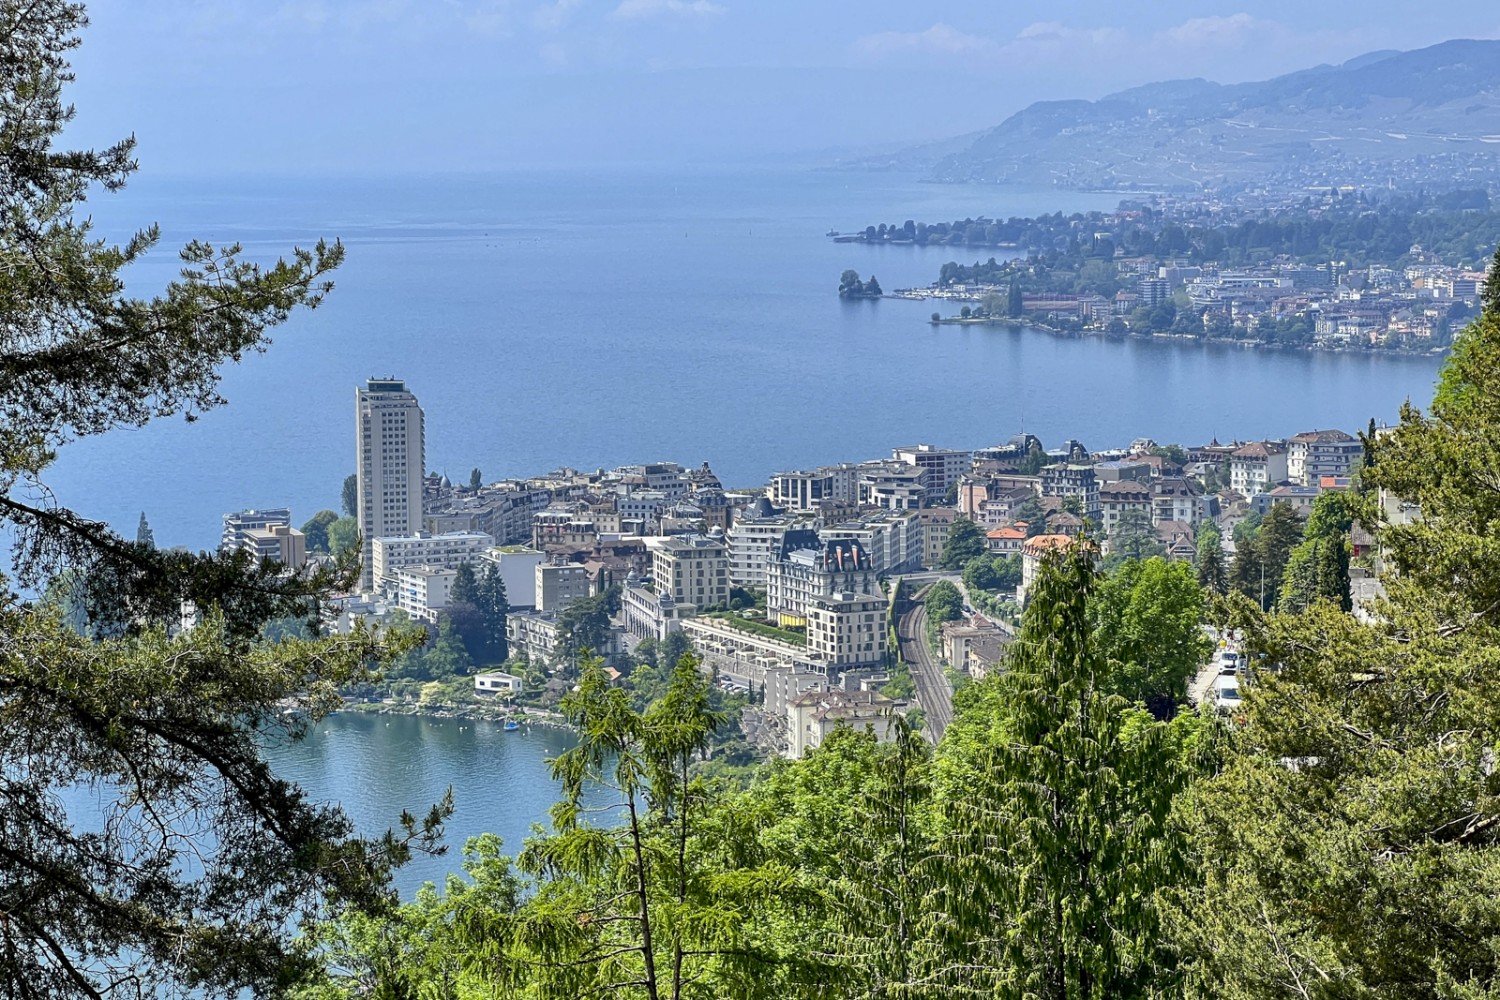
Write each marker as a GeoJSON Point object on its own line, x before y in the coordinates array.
{"type": "Point", "coordinates": [1229, 662]}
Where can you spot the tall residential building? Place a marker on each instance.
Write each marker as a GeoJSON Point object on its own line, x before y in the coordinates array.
{"type": "Point", "coordinates": [391, 458]}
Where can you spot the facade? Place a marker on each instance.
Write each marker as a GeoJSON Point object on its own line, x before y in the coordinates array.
{"type": "Point", "coordinates": [497, 682]}
{"type": "Point", "coordinates": [390, 445]}
{"type": "Point", "coordinates": [648, 615]}
{"type": "Point", "coordinates": [1006, 541]}
{"type": "Point", "coordinates": [237, 524]}
{"type": "Point", "coordinates": [1072, 479]}
{"type": "Point", "coordinates": [799, 490]}
{"type": "Point", "coordinates": [423, 591]}
{"type": "Point", "coordinates": [816, 714]}
{"type": "Point", "coordinates": [753, 543]}
{"type": "Point", "coordinates": [277, 542]}
{"type": "Point", "coordinates": [692, 569]}
{"type": "Point", "coordinates": [389, 555]}
{"type": "Point", "coordinates": [560, 584]}
{"type": "Point", "coordinates": [1175, 499]}
{"type": "Point", "coordinates": [1315, 454]}
{"type": "Point", "coordinates": [1117, 496]}
{"type": "Point", "coordinates": [807, 567]}
{"type": "Point", "coordinates": [937, 522]}
{"type": "Point", "coordinates": [941, 467]}
{"type": "Point", "coordinates": [1256, 467]}
{"type": "Point", "coordinates": [518, 565]}
{"type": "Point", "coordinates": [847, 631]}
{"type": "Point", "coordinates": [892, 539]}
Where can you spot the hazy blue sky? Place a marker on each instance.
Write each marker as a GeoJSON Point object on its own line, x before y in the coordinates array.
{"type": "Point", "coordinates": [414, 85]}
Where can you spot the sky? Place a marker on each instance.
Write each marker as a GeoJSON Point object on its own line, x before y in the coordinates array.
{"type": "Point", "coordinates": [416, 86]}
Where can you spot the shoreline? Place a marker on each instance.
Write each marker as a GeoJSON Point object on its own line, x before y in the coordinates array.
{"type": "Point", "coordinates": [448, 710]}
{"type": "Point", "coordinates": [1181, 338]}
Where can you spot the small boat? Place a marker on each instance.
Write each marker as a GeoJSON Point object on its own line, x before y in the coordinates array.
{"type": "Point", "coordinates": [511, 725]}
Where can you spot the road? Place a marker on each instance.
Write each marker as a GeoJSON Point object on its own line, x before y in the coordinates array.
{"type": "Point", "coordinates": [933, 692]}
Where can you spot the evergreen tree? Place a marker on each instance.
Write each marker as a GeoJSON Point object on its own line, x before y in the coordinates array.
{"type": "Point", "coordinates": [465, 589]}
{"type": "Point", "coordinates": [476, 479]}
{"type": "Point", "coordinates": [144, 536]}
{"type": "Point", "coordinates": [1212, 573]}
{"type": "Point", "coordinates": [1351, 845]}
{"type": "Point", "coordinates": [351, 495]}
{"type": "Point", "coordinates": [196, 880]}
{"type": "Point", "coordinates": [1060, 823]}
{"type": "Point", "coordinates": [1015, 304]}
{"type": "Point", "coordinates": [965, 542]}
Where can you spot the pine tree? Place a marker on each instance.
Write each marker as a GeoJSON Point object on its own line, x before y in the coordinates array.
{"type": "Point", "coordinates": [1061, 834]}
{"type": "Point", "coordinates": [207, 858]}
{"type": "Point", "coordinates": [144, 535]}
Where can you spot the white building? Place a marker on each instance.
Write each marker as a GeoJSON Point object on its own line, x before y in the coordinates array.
{"type": "Point", "coordinates": [813, 716]}
{"type": "Point", "coordinates": [1315, 454]}
{"type": "Point", "coordinates": [497, 682]}
{"type": "Point", "coordinates": [447, 551]}
{"type": "Point", "coordinates": [807, 567]}
{"type": "Point", "coordinates": [278, 542]}
{"type": "Point", "coordinates": [941, 466]}
{"type": "Point", "coordinates": [752, 544]}
{"type": "Point", "coordinates": [517, 565]}
{"type": "Point", "coordinates": [423, 591]}
{"type": "Point", "coordinates": [391, 457]}
{"type": "Point", "coordinates": [1256, 467]}
{"type": "Point", "coordinates": [237, 524]}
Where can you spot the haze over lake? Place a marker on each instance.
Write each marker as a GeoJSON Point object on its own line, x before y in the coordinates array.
{"type": "Point", "coordinates": [596, 318]}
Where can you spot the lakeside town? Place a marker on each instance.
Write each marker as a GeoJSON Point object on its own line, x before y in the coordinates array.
{"type": "Point", "coordinates": [1337, 270]}
{"type": "Point", "coordinates": [817, 599]}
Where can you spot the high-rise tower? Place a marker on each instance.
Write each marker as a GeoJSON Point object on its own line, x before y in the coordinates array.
{"type": "Point", "coordinates": [392, 457]}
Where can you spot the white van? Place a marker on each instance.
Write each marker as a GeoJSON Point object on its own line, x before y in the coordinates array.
{"type": "Point", "coordinates": [1226, 692]}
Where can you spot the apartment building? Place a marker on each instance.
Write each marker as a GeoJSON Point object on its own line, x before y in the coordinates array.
{"type": "Point", "coordinates": [1314, 454]}
{"type": "Point", "coordinates": [448, 551]}
{"type": "Point", "coordinates": [692, 569]}
{"type": "Point", "coordinates": [238, 524]}
{"type": "Point", "coordinates": [390, 458]}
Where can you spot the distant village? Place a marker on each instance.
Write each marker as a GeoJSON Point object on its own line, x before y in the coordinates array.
{"type": "Point", "coordinates": [1342, 308]}
{"type": "Point", "coordinates": [1323, 267]}
{"type": "Point", "coordinates": [787, 590]}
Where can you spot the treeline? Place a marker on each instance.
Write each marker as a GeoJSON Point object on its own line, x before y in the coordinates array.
{"type": "Point", "coordinates": [1459, 227]}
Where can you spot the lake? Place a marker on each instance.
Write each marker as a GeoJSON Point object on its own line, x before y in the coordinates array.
{"type": "Point", "coordinates": [377, 765]}
{"type": "Point", "coordinates": [594, 319]}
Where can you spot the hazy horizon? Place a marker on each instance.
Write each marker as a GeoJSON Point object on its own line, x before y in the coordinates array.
{"type": "Point", "coordinates": [399, 87]}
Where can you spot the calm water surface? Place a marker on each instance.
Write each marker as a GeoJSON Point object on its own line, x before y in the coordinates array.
{"type": "Point", "coordinates": [594, 319]}
{"type": "Point", "coordinates": [375, 766]}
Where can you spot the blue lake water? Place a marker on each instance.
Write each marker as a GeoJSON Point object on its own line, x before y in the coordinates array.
{"type": "Point", "coordinates": [583, 319]}
{"type": "Point", "coordinates": [549, 319]}
{"type": "Point", "coordinates": [376, 766]}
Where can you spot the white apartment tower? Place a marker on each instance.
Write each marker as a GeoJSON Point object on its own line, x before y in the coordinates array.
{"type": "Point", "coordinates": [392, 457]}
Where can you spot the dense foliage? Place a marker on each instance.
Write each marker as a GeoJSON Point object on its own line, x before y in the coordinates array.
{"type": "Point", "coordinates": [140, 691]}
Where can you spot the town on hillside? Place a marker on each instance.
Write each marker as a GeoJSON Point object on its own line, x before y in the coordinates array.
{"type": "Point", "coordinates": [797, 595]}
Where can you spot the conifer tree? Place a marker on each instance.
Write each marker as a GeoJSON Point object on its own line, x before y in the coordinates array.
{"type": "Point", "coordinates": [206, 855]}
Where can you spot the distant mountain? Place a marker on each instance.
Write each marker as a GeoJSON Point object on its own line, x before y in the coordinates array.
{"type": "Point", "coordinates": [1421, 117]}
